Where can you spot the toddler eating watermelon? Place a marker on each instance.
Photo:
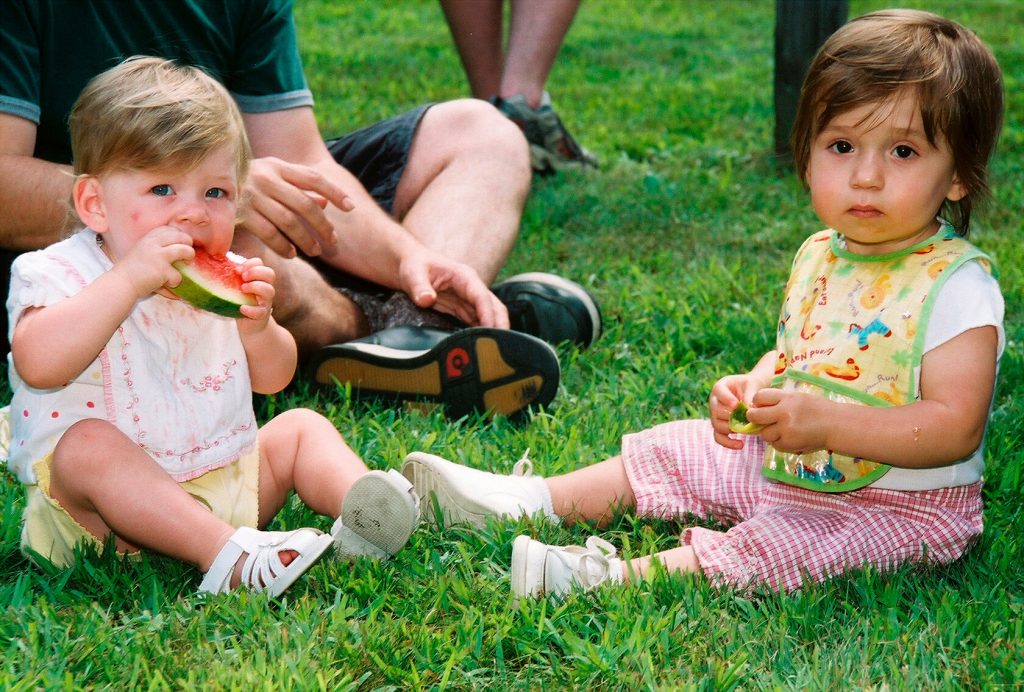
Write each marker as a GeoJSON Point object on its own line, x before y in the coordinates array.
{"type": "Point", "coordinates": [133, 408]}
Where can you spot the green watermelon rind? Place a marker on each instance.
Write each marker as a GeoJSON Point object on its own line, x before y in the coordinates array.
{"type": "Point", "coordinates": [205, 295]}
{"type": "Point", "coordinates": [738, 422]}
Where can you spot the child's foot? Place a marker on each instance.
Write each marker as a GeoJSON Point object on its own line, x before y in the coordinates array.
{"type": "Point", "coordinates": [379, 513]}
{"type": "Point", "coordinates": [539, 569]}
{"type": "Point", "coordinates": [268, 561]}
{"type": "Point", "coordinates": [467, 495]}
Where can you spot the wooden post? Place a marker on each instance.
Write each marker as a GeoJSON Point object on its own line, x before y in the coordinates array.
{"type": "Point", "coordinates": [801, 26]}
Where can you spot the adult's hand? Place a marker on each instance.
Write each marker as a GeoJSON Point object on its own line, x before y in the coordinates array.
{"type": "Point", "coordinates": [285, 207]}
{"type": "Point", "coordinates": [435, 281]}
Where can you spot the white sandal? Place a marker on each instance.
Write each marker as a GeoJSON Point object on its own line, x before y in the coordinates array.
{"type": "Point", "coordinates": [263, 569]}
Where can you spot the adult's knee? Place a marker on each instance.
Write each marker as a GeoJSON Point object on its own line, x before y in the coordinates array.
{"type": "Point", "coordinates": [476, 127]}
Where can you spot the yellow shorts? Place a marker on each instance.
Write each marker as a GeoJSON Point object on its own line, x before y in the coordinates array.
{"type": "Point", "coordinates": [230, 492]}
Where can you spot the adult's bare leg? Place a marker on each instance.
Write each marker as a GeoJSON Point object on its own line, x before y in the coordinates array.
{"type": "Point", "coordinates": [536, 31]}
{"type": "Point", "coordinates": [464, 187]}
{"type": "Point", "coordinates": [476, 27]}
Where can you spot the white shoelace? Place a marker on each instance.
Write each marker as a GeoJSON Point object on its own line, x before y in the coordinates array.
{"type": "Point", "coordinates": [593, 567]}
{"type": "Point", "coordinates": [523, 467]}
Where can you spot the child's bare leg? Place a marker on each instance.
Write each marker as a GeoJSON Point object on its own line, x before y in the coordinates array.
{"type": "Point", "coordinates": [301, 450]}
{"type": "Point", "coordinates": [592, 493]}
{"type": "Point", "coordinates": [375, 511]}
{"type": "Point", "coordinates": [681, 559]}
{"type": "Point", "coordinates": [470, 495]}
{"type": "Point", "coordinates": [109, 485]}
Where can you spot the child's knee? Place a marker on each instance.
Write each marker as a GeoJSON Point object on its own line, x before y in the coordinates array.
{"type": "Point", "coordinates": [304, 419]}
{"type": "Point", "coordinates": [87, 434]}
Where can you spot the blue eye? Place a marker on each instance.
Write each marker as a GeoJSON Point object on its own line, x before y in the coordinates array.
{"type": "Point", "coordinates": [841, 147]}
{"type": "Point", "coordinates": [903, 152]}
{"type": "Point", "coordinates": [216, 193]}
{"type": "Point", "coordinates": [161, 190]}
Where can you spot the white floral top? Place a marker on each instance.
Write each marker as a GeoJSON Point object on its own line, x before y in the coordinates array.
{"type": "Point", "coordinates": [174, 379]}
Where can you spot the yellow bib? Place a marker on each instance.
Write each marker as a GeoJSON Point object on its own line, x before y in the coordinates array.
{"type": "Point", "coordinates": [852, 328]}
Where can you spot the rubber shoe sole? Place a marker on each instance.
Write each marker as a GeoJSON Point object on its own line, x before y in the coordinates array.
{"type": "Point", "coordinates": [492, 371]}
{"type": "Point", "coordinates": [426, 473]}
{"type": "Point", "coordinates": [378, 515]}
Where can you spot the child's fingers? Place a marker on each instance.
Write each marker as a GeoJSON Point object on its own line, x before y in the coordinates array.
{"type": "Point", "coordinates": [249, 263]}
{"type": "Point", "coordinates": [264, 291]}
{"type": "Point", "coordinates": [257, 312]}
{"type": "Point", "coordinates": [258, 272]}
{"type": "Point", "coordinates": [728, 441]}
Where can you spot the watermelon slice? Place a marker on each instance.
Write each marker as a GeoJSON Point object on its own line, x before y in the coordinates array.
{"type": "Point", "coordinates": [211, 282]}
{"type": "Point", "coordinates": [738, 422]}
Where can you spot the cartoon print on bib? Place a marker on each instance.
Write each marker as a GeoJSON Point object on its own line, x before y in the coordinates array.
{"type": "Point", "coordinates": [860, 338]}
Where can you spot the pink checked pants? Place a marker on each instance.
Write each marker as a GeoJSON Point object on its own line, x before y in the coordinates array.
{"type": "Point", "coordinates": [782, 535]}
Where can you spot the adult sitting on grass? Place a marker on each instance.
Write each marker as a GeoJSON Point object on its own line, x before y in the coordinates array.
{"type": "Point", "coordinates": [137, 423]}
{"type": "Point", "coordinates": [871, 409]}
{"type": "Point", "coordinates": [365, 232]}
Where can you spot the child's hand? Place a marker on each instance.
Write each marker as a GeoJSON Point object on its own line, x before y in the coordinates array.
{"type": "Point", "coordinates": [726, 395]}
{"type": "Point", "coordinates": [793, 421]}
{"type": "Point", "coordinates": [259, 281]}
{"type": "Point", "coordinates": [270, 348]}
{"type": "Point", "coordinates": [148, 265]}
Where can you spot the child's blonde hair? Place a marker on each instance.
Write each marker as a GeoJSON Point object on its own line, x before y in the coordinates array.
{"type": "Point", "coordinates": [954, 76]}
{"type": "Point", "coordinates": [153, 114]}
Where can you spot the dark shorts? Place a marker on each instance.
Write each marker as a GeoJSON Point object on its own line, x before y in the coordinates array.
{"type": "Point", "coordinates": [377, 155]}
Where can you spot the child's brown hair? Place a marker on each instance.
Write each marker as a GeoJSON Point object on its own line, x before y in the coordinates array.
{"type": "Point", "coordinates": [954, 76]}
{"type": "Point", "coordinates": [150, 113]}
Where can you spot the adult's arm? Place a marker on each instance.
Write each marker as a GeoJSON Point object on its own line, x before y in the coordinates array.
{"type": "Point", "coordinates": [299, 196]}
{"type": "Point", "coordinates": [35, 195]}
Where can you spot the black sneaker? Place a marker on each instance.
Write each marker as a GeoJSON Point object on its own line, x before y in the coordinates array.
{"type": "Point", "coordinates": [493, 371]}
{"type": "Point", "coordinates": [551, 308]}
{"type": "Point", "coordinates": [552, 148]}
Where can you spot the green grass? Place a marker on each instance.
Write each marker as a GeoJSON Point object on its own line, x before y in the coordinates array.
{"type": "Point", "coordinates": [684, 235]}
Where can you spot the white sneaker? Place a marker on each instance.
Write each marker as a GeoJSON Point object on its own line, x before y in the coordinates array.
{"type": "Point", "coordinates": [467, 495]}
{"type": "Point", "coordinates": [379, 513]}
{"type": "Point", "coordinates": [539, 569]}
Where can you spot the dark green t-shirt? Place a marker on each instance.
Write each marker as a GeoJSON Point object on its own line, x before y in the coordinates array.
{"type": "Point", "coordinates": [49, 49]}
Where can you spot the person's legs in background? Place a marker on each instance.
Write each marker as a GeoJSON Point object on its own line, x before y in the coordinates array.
{"type": "Point", "coordinates": [514, 79]}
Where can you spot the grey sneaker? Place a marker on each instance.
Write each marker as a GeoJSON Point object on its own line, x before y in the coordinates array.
{"type": "Point", "coordinates": [379, 513]}
{"type": "Point", "coordinates": [550, 308]}
{"type": "Point", "coordinates": [539, 569]}
{"type": "Point", "coordinates": [479, 369]}
{"type": "Point", "coordinates": [552, 148]}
